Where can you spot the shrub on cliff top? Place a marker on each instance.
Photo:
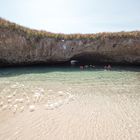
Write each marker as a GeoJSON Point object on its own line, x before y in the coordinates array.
{"type": "Point", "coordinates": [40, 34]}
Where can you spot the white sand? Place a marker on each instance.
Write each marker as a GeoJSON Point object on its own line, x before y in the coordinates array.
{"type": "Point", "coordinates": [85, 113]}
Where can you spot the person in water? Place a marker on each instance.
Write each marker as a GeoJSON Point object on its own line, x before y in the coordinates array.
{"type": "Point", "coordinates": [105, 67]}
{"type": "Point", "coordinates": [108, 67]}
{"type": "Point", "coordinates": [86, 66]}
{"type": "Point", "coordinates": [81, 67]}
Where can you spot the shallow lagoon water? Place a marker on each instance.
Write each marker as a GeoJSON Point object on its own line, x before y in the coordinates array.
{"type": "Point", "coordinates": [69, 103]}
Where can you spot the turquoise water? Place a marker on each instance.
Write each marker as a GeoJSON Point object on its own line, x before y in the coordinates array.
{"type": "Point", "coordinates": [26, 79]}
{"type": "Point", "coordinates": [70, 75]}
{"type": "Point", "coordinates": [119, 80]}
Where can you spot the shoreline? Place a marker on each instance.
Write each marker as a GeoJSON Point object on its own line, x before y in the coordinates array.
{"type": "Point", "coordinates": [40, 104]}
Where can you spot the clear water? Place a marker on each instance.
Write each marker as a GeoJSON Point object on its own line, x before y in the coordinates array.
{"type": "Point", "coordinates": [54, 80]}
{"type": "Point", "coordinates": [71, 75]}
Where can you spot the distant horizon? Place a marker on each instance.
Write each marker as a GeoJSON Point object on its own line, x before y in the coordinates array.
{"type": "Point", "coordinates": [72, 17]}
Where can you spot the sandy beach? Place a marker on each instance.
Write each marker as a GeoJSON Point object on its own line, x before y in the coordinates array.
{"type": "Point", "coordinates": [67, 116]}
{"type": "Point", "coordinates": [103, 110]}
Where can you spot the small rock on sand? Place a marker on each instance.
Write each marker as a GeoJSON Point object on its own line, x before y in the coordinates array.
{"type": "Point", "coordinates": [32, 108]}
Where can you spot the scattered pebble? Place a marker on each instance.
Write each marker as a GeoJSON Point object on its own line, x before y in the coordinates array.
{"type": "Point", "coordinates": [14, 108]}
{"type": "Point", "coordinates": [54, 105]}
{"type": "Point", "coordinates": [36, 97]}
{"type": "Point", "coordinates": [37, 94]}
{"type": "Point", "coordinates": [22, 109]}
{"type": "Point", "coordinates": [14, 93]}
{"type": "Point", "coordinates": [71, 97]}
{"type": "Point", "coordinates": [9, 97]}
{"type": "Point", "coordinates": [50, 90]}
{"type": "Point", "coordinates": [9, 101]}
{"type": "Point", "coordinates": [4, 107]}
{"type": "Point", "coordinates": [1, 104]}
{"type": "Point", "coordinates": [41, 90]}
{"type": "Point", "coordinates": [10, 106]}
{"type": "Point", "coordinates": [61, 93]}
{"type": "Point", "coordinates": [13, 86]}
{"type": "Point", "coordinates": [32, 108]}
{"type": "Point", "coordinates": [49, 106]}
{"type": "Point", "coordinates": [21, 100]}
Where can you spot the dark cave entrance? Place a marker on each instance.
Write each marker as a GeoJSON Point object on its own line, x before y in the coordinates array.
{"type": "Point", "coordinates": [88, 59]}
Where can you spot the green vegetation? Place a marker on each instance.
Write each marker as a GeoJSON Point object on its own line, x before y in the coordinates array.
{"type": "Point", "coordinates": [31, 33]}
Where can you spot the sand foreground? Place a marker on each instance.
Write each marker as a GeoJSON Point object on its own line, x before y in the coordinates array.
{"type": "Point", "coordinates": [70, 115]}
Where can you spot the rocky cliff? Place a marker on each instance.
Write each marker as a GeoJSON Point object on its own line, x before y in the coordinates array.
{"type": "Point", "coordinates": [20, 45]}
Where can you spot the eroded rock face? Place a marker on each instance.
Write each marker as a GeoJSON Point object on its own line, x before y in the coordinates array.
{"type": "Point", "coordinates": [17, 48]}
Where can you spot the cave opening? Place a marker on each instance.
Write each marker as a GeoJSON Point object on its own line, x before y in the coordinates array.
{"type": "Point", "coordinates": [87, 59]}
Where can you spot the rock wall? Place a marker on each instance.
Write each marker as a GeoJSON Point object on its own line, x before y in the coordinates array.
{"type": "Point", "coordinates": [17, 48]}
